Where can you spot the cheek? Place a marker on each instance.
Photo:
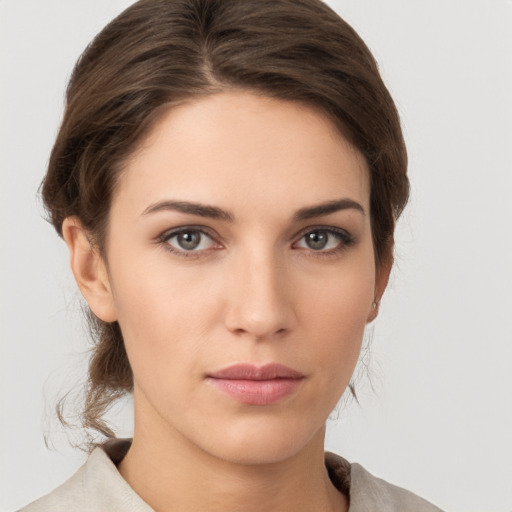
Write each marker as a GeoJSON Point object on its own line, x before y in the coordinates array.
{"type": "Point", "coordinates": [337, 312]}
{"type": "Point", "coordinates": [341, 299]}
{"type": "Point", "coordinates": [164, 314]}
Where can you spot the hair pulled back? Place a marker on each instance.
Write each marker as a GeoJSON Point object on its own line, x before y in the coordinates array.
{"type": "Point", "coordinates": [160, 52]}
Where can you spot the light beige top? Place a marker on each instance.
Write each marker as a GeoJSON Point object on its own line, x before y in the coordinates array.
{"type": "Point", "coordinates": [99, 487]}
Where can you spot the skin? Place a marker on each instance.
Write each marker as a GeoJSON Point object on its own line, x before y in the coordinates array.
{"type": "Point", "coordinates": [253, 291]}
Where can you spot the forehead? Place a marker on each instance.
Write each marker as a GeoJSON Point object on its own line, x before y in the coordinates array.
{"type": "Point", "coordinates": [239, 146]}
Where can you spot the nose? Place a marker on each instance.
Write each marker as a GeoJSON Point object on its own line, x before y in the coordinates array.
{"type": "Point", "coordinates": [259, 298]}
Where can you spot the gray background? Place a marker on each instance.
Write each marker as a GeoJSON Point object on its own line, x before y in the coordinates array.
{"type": "Point", "coordinates": [439, 420]}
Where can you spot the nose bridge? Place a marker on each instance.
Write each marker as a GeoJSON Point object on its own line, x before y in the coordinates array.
{"type": "Point", "coordinates": [258, 296]}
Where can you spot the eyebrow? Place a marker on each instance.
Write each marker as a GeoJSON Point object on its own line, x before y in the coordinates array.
{"type": "Point", "coordinates": [214, 212]}
{"type": "Point", "coordinates": [328, 208]}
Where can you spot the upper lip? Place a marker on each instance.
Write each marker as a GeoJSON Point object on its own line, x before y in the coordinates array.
{"type": "Point", "coordinates": [253, 372]}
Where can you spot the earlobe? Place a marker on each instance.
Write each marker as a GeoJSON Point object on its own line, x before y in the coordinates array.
{"type": "Point", "coordinates": [381, 281]}
{"type": "Point", "coordinates": [374, 311]}
{"type": "Point", "coordinates": [89, 269]}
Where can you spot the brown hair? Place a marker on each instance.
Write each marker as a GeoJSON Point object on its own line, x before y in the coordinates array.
{"type": "Point", "coordinates": [158, 52]}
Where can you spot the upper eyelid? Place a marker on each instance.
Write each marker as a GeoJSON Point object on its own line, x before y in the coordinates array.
{"type": "Point", "coordinates": [169, 233]}
{"type": "Point", "coordinates": [330, 229]}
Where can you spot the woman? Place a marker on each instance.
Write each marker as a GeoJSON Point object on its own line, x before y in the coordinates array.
{"type": "Point", "coordinates": [227, 179]}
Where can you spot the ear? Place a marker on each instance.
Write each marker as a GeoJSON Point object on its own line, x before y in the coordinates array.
{"type": "Point", "coordinates": [89, 269]}
{"type": "Point", "coordinates": [381, 281]}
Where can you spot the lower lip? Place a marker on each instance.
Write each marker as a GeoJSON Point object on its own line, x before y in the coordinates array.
{"type": "Point", "coordinates": [257, 392]}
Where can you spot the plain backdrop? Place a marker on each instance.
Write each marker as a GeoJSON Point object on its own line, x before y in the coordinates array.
{"type": "Point", "coordinates": [436, 414]}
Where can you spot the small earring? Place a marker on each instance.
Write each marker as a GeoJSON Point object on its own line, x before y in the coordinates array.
{"type": "Point", "coordinates": [375, 304]}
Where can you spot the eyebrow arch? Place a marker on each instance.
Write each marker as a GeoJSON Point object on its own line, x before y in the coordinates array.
{"type": "Point", "coordinates": [212, 212]}
{"type": "Point", "coordinates": [327, 208]}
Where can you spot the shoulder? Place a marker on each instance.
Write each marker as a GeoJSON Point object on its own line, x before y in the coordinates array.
{"type": "Point", "coordinates": [97, 486]}
{"type": "Point", "coordinates": [64, 497]}
{"type": "Point", "coordinates": [369, 493]}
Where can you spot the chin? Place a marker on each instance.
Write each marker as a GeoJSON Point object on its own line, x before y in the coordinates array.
{"type": "Point", "coordinates": [264, 443]}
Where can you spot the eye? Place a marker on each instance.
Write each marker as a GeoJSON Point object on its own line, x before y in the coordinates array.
{"type": "Point", "coordinates": [189, 240]}
{"type": "Point", "coordinates": [324, 239]}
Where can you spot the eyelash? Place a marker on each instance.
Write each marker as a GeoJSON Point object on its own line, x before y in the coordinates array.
{"type": "Point", "coordinates": [346, 240]}
{"type": "Point", "coordinates": [165, 237]}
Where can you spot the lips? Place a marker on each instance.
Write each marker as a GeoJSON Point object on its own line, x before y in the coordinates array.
{"type": "Point", "coordinates": [253, 385]}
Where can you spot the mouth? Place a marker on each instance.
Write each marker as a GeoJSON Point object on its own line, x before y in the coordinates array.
{"type": "Point", "coordinates": [253, 385]}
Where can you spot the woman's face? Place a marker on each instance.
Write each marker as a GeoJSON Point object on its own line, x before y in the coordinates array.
{"type": "Point", "coordinates": [240, 235]}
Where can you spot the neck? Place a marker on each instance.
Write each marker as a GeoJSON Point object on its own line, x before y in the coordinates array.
{"type": "Point", "coordinates": [171, 473]}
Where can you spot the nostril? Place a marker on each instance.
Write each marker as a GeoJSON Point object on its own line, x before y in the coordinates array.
{"type": "Point", "coordinates": [279, 333]}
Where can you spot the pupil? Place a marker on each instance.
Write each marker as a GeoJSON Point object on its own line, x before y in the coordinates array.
{"type": "Point", "coordinates": [189, 240]}
{"type": "Point", "coordinates": [316, 240]}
